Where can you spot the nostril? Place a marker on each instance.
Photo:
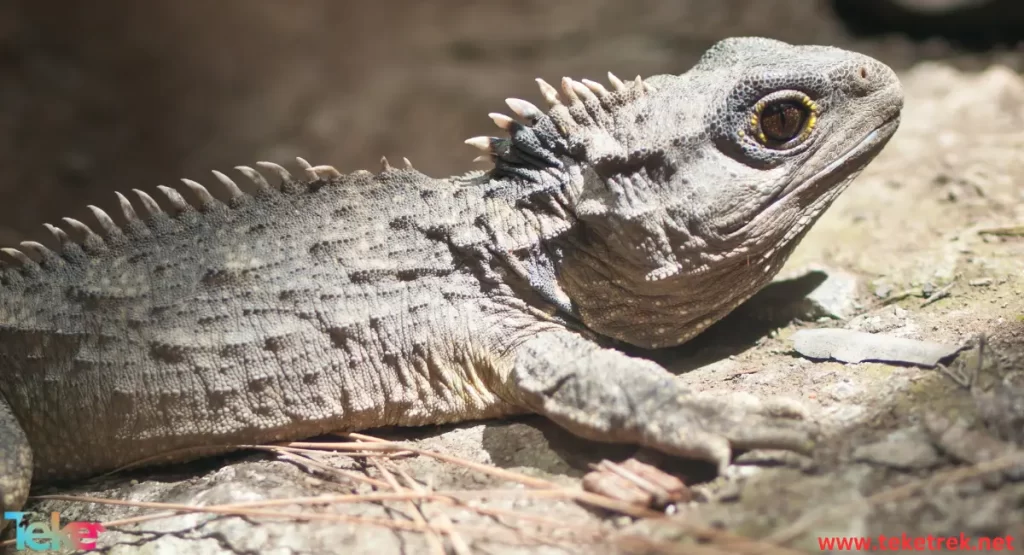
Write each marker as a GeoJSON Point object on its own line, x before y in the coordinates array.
{"type": "Point", "coordinates": [863, 72]}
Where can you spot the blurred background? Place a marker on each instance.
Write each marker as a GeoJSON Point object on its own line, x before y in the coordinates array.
{"type": "Point", "coordinates": [112, 95]}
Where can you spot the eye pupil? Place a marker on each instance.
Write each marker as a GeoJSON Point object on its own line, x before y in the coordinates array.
{"type": "Point", "coordinates": [782, 122]}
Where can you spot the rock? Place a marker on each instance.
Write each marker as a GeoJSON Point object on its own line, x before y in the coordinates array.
{"type": "Point", "coordinates": [907, 449]}
{"type": "Point", "coordinates": [853, 346]}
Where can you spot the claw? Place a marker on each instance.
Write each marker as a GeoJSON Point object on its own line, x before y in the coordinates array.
{"type": "Point", "coordinates": [481, 143]}
{"type": "Point", "coordinates": [254, 176]}
{"type": "Point", "coordinates": [596, 88]}
{"type": "Point", "coordinates": [231, 186]}
{"type": "Point", "coordinates": [583, 91]}
{"type": "Point", "coordinates": [502, 121]}
{"type": "Point", "coordinates": [276, 168]}
{"type": "Point", "coordinates": [548, 92]}
{"type": "Point", "coordinates": [306, 166]}
{"type": "Point", "coordinates": [21, 257]}
{"type": "Point", "coordinates": [38, 248]}
{"type": "Point", "coordinates": [384, 164]}
{"type": "Point", "coordinates": [151, 205]}
{"type": "Point", "coordinates": [84, 230]}
{"type": "Point", "coordinates": [617, 83]}
{"type": "Point", "coordinates": [205, 198]}
{"type": "Point", "coordinates": [58, 234]}
{"type": "Point", "coordinates": [325, 170]}
{"type": "Point", "coordinates": [127, 209]}
{"type": "Point", "coordinates": [175, 199]}
{"type": "Point", "coordinates": [408, 164]}
{"type": "Point", "coordinates": [568, 87]}
{"type": "Point", "coordinates": [524, 109]}
{"type": "Point", "coordinates": [106, 222]}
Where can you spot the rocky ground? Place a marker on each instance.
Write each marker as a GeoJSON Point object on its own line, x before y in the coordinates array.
{"type": "Point", "coordinates": [925, 245]}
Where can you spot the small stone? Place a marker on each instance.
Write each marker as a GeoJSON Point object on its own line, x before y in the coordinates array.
{"type": "Point", "coordinates": [883, 290]}
{"type": "Point", "coordinates": [851, 346]}
{"type": "Point", "coordinates": [837, 296]}
{"type": "Point", "coordinates": [908, 449]}
{"type": "Point", "coordinates": [623, 521]}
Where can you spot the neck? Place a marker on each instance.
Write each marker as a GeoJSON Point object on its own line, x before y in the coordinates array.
{"type": "Point", "coordinates": [524, 213]}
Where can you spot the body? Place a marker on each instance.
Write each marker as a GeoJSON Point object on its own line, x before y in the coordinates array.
{"type": "Point", "coordinates": [241, 325]}
{"type": "Point", "coordinates": [641, 213]}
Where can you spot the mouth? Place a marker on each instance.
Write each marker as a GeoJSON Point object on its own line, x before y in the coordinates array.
{"type": "Point", "coordinates": [840, 170]}
{"type": "Point", "coordinates": [849, 162]}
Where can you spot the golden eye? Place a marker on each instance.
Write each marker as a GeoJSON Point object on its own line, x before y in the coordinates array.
{"type": "Point", "coordinates": [784, 122]}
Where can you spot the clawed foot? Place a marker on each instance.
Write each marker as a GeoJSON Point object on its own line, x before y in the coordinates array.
{"type": "Point", "coordinates": [606, 395]}
{"type": "Point", "coordinates": [711, 426]}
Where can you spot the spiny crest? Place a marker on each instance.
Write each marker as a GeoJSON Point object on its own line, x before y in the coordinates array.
{"type": "Point", "coordinates": [577, 97]}
{"type": "Point", "coordinates": [84, 239]}
{"type": "Point", "coordinates": [89, 241]}
{"type": "Point", "coordinates": [385, 166]}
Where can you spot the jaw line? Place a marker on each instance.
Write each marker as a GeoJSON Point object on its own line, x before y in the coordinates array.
{"type": "Point", "coordinates": [864, 150]}
{"type": "Point", "coordinates": [873, 140]}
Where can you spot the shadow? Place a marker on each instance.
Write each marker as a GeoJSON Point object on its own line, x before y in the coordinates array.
{"type": "Point", "coordinates": [777, 305]}
{"type": "Point", "coordinates": [170, 473]}
{"type": "Point", "coordinates": [538, 443]}
{"type": "Point", "coordinates": [977, 26]}
{"type": "Point", "coordinates": [529, 441]}
{"type": "Point", "coordinates": [534, 441]}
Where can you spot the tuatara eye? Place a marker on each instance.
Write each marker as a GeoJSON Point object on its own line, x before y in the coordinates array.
{"type": "Point", "coordinates": [783, 121]}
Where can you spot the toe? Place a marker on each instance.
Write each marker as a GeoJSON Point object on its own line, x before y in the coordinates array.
{"type": "Point", "coordinates": [784, 407]}
{"type": "Point", "coordinates": [774, 435]}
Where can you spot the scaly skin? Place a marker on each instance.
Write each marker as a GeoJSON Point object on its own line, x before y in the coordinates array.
{"type": "Point", "coordinates": [346, 302]}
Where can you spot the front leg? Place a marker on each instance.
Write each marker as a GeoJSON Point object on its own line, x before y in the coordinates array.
{"type": "Point", "coordinates": [15, 462]}
{"type": "Point", "coordinates": [605, 395]}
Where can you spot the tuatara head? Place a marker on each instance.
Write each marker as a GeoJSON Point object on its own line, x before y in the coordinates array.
{"type": "Point", "coordinates": [690, 191]}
